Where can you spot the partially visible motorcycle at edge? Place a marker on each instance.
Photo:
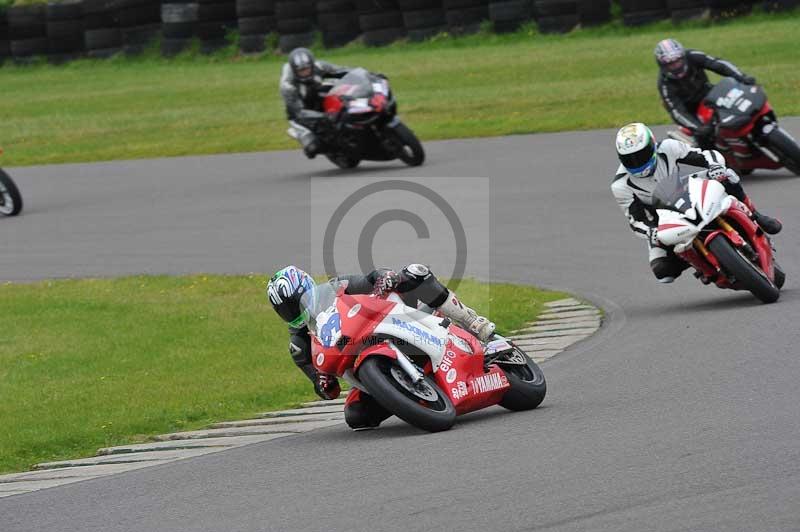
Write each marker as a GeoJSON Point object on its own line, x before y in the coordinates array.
{"type": "Point", "coordinates": [10, 198]}
{"type": "Point", "coordinates": [746, 129]}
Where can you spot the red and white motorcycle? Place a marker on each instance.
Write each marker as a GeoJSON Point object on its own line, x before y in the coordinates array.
{"type": "Point", "coordinates": [715, 233]}
{"type": "Point", "coordinates": [417, 365]}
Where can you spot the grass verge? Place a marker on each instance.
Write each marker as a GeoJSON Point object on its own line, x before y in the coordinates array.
{"type": "Point", "coordinates": [91, 363]}
{"type": "Point", "coordinates": [480, 85]}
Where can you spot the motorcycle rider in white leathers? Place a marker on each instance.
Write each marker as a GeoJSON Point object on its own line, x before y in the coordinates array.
{"type": "Point", "coordinates": [644, 164]}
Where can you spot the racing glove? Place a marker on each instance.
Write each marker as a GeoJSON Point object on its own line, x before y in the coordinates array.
{"type": "Point", "coordinates": [748, 80]}
{"type": "Point", "coordinates": [386, 282]}
{"type": "Point", "coordinates": [327, 386]}
{"type": "Point", "coordinates": [717, 172]}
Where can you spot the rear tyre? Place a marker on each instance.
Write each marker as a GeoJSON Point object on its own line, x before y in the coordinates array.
{"type": "Point", "coordinates": [10, 198]}
{"type": "Point", "coordinates": [410, 150]}
{"type": "Point", "coordinates": [528, 385]}
{"type": "Point", "coordinates": [425, 406]}
{"type": "Point", "coordinates": [745, 272]}
{"type": "Point", "coordinates": [343, 161]}
{"type": "Point", "coordinates": [786, 148]}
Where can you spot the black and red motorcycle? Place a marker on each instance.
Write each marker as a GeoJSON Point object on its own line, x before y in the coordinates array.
{"type": "Point", "coordinates": [746, 129]}
{"type": "Point", "coordinates": [10, 198]}
{"type": "Point", "coordinates": [362, 123]}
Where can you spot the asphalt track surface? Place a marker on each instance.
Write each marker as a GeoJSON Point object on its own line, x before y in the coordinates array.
{"type": "Point", "coordinates": [680, 414]}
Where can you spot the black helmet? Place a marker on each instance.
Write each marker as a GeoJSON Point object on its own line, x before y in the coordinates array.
{"type": "Point", "coordinates": [284, 291]}
{"type": "Point", "coordinates": [302, 62]}
{"type": "Point", "coordinates": [671, 59]}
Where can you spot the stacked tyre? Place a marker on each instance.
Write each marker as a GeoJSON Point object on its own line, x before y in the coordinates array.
{"type": "Point", "coordinates": [64, 31]}
{"type": "Point", "coordinates": [102, 37]}
{"type": "Point", "coordinates": [780, 5]}
{"type": "Point", "coordinates": [5, 47]}
{"type": "Point", "coordinates": [594, 12]}
{"type": "Point", "coordinates": [178, 23]}
{"type": "Point", "coordinates": [215, 18]}
{"type": "Point", "coordinates": [295, 23]}
{"type": "Point", "coordinates": [256, 21]}
{"type": "Point", "coordinates": [465, 16]}
{"type": "Point", "coordinates": [381, 22]}
{"type": "Point", "coordinates": [140, 24]}
{"type": "Point", "coordinates": [509, 15]}
{"type": "Point", "coordinates": [338, 22]}
{"type": "Point", "coordinates": [680, 10]}
{"type": "Point", "coordinates": [422, 18]}
{"type": "Point", "coordinates": [729, 8]}
{"type": "Point", "coordinates": [556, 16]}
{"type": "Point", "coordinates": [641, 12]}
{"type": "Point", "coordinates": [27, 31]}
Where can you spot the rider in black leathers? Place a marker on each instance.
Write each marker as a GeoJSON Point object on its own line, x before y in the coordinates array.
{"type": "Point", "coordinates": [301, 80]}
{"type": "Point", "coordinates": [683, 83]}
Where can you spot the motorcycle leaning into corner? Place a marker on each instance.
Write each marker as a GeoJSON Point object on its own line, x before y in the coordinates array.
{"type": "Point", "coordinates": [10, 198]}
{"type": "Point", "coordinates": [362, 123]}
{"type": "Point", "coordinates": [418, 366]}
{"type": "Point", "coordinates": [746, 129]}
{"type": "Point", "coordinates": [715, 233]}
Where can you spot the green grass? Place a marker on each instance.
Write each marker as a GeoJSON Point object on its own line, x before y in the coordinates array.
{"type": "Point", "coordinates": [91, 363]}
{"type": "Point", "coordinates": [480, 85]}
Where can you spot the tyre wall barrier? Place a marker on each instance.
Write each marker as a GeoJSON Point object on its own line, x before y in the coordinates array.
{"type": "Point", "coordinates": [67, 29]}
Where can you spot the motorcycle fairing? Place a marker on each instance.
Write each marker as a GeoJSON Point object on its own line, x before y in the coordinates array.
{"type": "Point", "coordinates": [708, 199]}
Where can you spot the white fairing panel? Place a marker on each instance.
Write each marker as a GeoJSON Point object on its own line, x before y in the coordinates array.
{"type": "Point", "coordinates": [680, 229]}
{"type": "Point", "coordinates": [417, 328]}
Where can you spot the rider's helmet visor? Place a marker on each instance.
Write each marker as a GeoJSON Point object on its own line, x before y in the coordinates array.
{"type": "Point", "coordinates": [677, 68]}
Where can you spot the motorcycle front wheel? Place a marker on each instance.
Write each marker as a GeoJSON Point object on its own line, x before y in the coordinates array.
{"type": "Point", "coordinates": [786, 148]}
{"type": "Point", "coordinates": [749, 275]}
{"type": "Point", "coordinates": [528, 385]}
{"type": "Point", "coordinates": [411, 151]}
{"type": "Point", "coordinates": [422, 404]}
{"type": "Point", "coordinates": [10, 198]}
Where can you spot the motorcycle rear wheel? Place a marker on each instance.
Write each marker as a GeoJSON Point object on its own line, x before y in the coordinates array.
{"type": "Point", "coordinates": [786, 148]}
{"type": "Point", "coordinates": [411, 151]}
{"type": "Point", "coordinates": [528, 385]}
{"type": "Point", "coordinates": [10, 198]}
{"type": "Point", "coordinates": [424, 406]}
{"type": "Point", "coordinates": [740, 268]}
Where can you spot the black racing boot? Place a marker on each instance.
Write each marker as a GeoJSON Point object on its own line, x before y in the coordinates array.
{"type": "Point", "coordinates": [769, 224]}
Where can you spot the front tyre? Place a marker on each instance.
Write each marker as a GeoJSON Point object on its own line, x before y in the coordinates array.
{"type": "Point", "coordinates": [786, 148]}
{"type": "Point", "coordinates": [749, 275]}
{"type": "Point", "coordinates": [410, 149]}
{"type": "Point", "coordinates": [423, 405]}
{"type": "Point", "coordinates": [528, 385]}
{"type": "Point", "coordinates": [10, 198]}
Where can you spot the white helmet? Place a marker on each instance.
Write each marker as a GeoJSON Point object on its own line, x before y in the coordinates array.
{"type": "Point", "coordinates": [636, 148]}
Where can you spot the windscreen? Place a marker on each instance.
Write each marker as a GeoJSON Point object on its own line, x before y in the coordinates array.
{"type": "Point", "coordinates": [673, 193]}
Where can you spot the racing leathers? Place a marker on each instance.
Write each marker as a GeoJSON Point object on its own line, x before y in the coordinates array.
{"type": "Point", "coordinates": [681, 97]}
{"type": "Point", "coordinates": [416, 285]}
{"type": "Point", "coordinates": [304, 102]}
{"type": "Point", "coordinates": [635, 197]}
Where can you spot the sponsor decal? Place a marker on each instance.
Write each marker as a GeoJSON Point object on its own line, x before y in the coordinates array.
{"type": "Point", "coordinates": [354, 310]}
{"type": "Point", "coordinates": [460, 343]}
{"type": "Point", "coordinates": [459, 391]}
{"type": "Point", "coordinates": [331, 331]}
{"type": "Point", "coordinates": [451, 376]}
{"type": "Point", "coordinates": [447, 361]}
{"type": "Point", "coordinates": [320, 359]}
{"type": "Point", "coordinates": [418, 332]}
{"type": "Point", "coordinates": [489, 382]}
